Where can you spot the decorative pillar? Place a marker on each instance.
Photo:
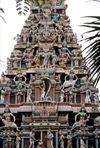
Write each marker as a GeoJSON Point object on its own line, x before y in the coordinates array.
{"type": "Point", "coordinates": [16, 99]}
{"type": "Point", "coordinates": [77, 143]}
{"type": "Point", "coordinates": [81, 97]}
{"type": "Point", "coordinates": [9, 142]}
{"type": "Point", "coordinates": [96, 142]}
{"type": "Point", "coordinates": [56, 143]}
{"type": "Point", "coordinates": [36, 93]}
{"type": "Point", "coordinates": [86, 141]}
{"type": "Point", "coordinates": [54, 90]}
{"type": "Point", "coordinates": [22, 142]}
{"type": "Point", "coordinates": [19, 99]}
{"type": "Point", "coordinates": [9, 98]}
{"type": "Point", "coordinates": [12, 143]}
{"type": "Point", "coordinates": [3, 143]}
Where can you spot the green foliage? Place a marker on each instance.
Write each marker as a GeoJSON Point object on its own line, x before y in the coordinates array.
{"type": "Point", "coordinates": [93, 48]}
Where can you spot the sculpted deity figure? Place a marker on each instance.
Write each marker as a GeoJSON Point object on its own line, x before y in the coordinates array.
{"type": "Point", "coordinates": [40, 145]}
{"type": "Point", "coordinates": [46, 13]}
{"type": "Point", "coordinates": [46, 57]}
{"type": "Point", "coordinates": [62, 96]}
{"type": "Point", "coordinates": [9, 65]}
{"type": "Point", "coordinates": [54, 60]}
{"type": "Point", "coordinates": [2, 96]}
{"type": "Point", "coordinates": [69, 138]}
{"type": "Point", "coordinates": [42, 86]}
{"type": "Point", "coordinates": [32, 139]}
{"type": "Point", "coordinates": [88, 94]}
{"type": "Point", "coordinates": [82, 144]}
{"type": "Point", "coordinates": [96, 98]}
{"type": "Point", "coordinates": [18, 38]}
{"type": "Point", "coordinates": [61, 141]}
{"type": "Point", "coordinates": [15, 63]}
{"type": "Point", "coordinates": [66, 51]}
{"type": "Point", "coordinates": [6, 118]}
{"type": "Point", "coordinates": [72, 78]}
{"type": "Point", "coordinates": [29, 92]}
{"type": "Point", "coordinates": [50, 139]}
{"type": "Point", "coordinates": [17, 140]}
{"type": "Point", "coordinates": [83, 118]}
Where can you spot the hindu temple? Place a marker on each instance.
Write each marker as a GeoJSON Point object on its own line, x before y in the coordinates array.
{"type": "Point", "coordinates": [47, 99]}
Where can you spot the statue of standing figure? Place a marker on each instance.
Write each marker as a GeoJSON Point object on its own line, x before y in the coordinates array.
{"type": "Point", "coordinates": [88, 95]}
{"type": "Point", "coordinates": [29, 92]}
{"type": "Point", "coordinates": [32, 139]}
{"type": "Point", "coordinates": [6, 118]}
{"type": "Point", "coordinates": [62, 96]}
{"type": "Point", "coordinates": [69, 138]}
{"type": "Point", "coordinates": [2, 96]}
{"type": "Point", "coordinates": [17, 140]}
{"type": "Point", "coordinates": [61, 141]}
{"type": "Point", "coordinates": [82, 144]}
{"type": "Point", "coordinates": [50, 137]}
{"type": "Point", "coordinates": [42, 86]}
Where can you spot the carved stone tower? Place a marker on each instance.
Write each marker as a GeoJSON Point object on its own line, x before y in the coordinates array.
{"type": "Point", "coordinates": [47, 84]}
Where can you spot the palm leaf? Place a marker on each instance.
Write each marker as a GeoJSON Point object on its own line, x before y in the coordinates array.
{"type": "Point", "coordinates": [22, 6]}
{"type": "Point", "coordinates": [93, 47]}
{"type": "Point", "coordinates": [2, 11]}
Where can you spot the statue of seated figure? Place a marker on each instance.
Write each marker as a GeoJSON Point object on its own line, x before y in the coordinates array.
{"type": "Point", "coordinates": [70, 80]}
{"type": "Point", "coordinates": [6, 118]}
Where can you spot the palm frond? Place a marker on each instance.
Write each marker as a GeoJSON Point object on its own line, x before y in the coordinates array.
{"type": "Point", "coordinates": [22, 6]}
{"type": "Point", "coordinates": [2, 11]}
{"type": "Point", "coordinates": [93, 47]}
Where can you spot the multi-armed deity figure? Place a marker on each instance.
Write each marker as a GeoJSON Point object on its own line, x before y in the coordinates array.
{"type": "Point", "coordinates": [83, 118]}
{"type": "Point", "coordinates": [6, 118]}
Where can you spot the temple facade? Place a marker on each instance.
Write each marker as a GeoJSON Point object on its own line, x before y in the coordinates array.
{"type": "Point", "coordinates": [47, 99]}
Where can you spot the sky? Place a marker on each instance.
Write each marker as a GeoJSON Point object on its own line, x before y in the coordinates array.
{"type": "Point", "coordinates": [8, 31]}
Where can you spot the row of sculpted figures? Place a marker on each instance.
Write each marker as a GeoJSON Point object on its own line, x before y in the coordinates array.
{"type": "Point", "coordinates": [80, 127]}
{"type": "Point", "coordinates": [71, 89]}
{"type": "Point", "coordinates": [78, 90]}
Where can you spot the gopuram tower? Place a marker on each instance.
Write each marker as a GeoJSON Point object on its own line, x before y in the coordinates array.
{"type": "Point", "coordinates": [47, 99]}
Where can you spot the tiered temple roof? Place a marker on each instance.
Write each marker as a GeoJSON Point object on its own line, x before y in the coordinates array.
{"type": "Point", "coordinates": [47, 81]}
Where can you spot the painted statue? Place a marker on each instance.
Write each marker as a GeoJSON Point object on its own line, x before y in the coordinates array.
{"type": "Point", "coordinates": [88, 95]}
{"type": "Point", "coordinates": [32, 139]}
{"type": "Point", "coordinates": [42, 86]}
{"type": "Point", "coordinates": [45, 87]}
{"type": "Point", "coordinates": [61, 141]}
{"type": "Point", "coordinates": [2, 96]}
{"type": "Point", "coordinates": [40, 145]}
{"type": "Point", "coordinates": [50, 139]}
{"type": "Point", "coordinates": [83, 118]}
{"type": "Point", "coordinates": [62, 96]}
{"type": "Point", "coordinates": [70, 80]}
{"type": "Point", "coordinates": [69, 139]}
{"type": "Point", "coordinates": [17, 140]}
{"type": "Point", "coordinates": [6, 118]}
{"type": "Point", "coordinates": [29, 92]}
{"type": "Point", "coordinates": [82, 144]}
